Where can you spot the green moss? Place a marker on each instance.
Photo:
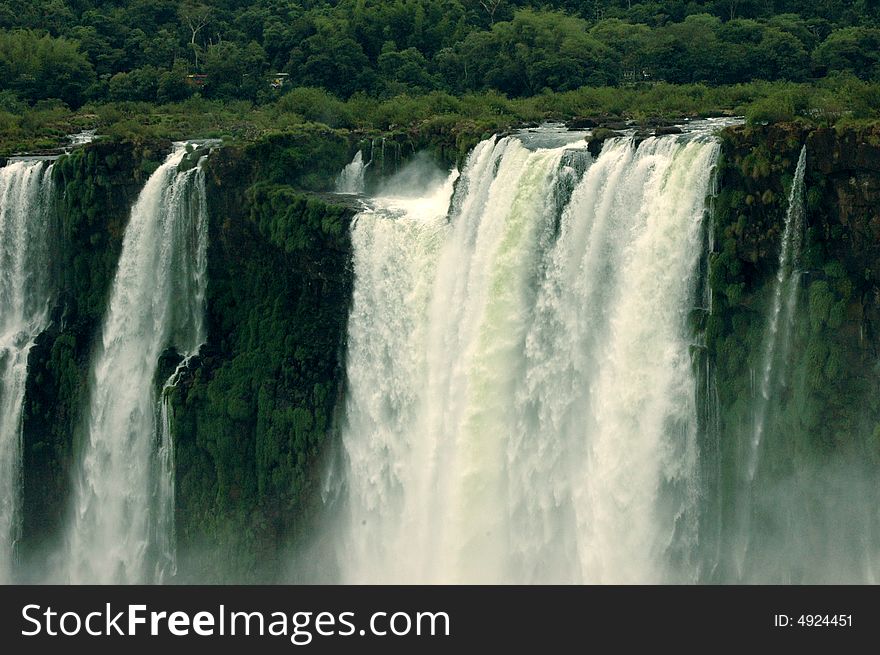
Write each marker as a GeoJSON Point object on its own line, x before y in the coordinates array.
{"type": "Point", "coordinates": [308, 156]}
{"type": "Point", "coordinates": [95, 188]}
{"type": "Point", "coordinates": [826, 403]}
{"type": "Point", "coordinates": [821, 300]}
{"type": "Point", "coordinates": [252, 418]}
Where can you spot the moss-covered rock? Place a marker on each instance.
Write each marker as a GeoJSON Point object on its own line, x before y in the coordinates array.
{"type": "Point", "coordinates": [827, 406]}
{"type": "Point", "coordinates": [253, 412]}
{"type": "Point", "coordinates": [252, 416]}
{"type": "Point", "coordinates": [95, 187]}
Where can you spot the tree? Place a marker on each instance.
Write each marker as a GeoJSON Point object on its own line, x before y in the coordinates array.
{"type": "Point", "coordinates": [234, 71]}
{"type": "Point", "coordinates": [172, 84]}
{"type": "Point", "coordinates": [853, 49]}
{"type": "Point", "coordinates": [38, 66]}
{"type": "Point", "coordinates": [407, 68]}
{"type": "Point", "coordinates": [630, 44]}
{"type": "Point", "coordinates": [793, 24]}
{"type": "Point", "coordinates": [731, 9]}
{"type": "Point", "coordinates": [104, 57]}
{"type": "Point", "coordinates": [195, 16]}
{"type": "Point", "coordinates": [689, 51]}
{"type": "Point", "coordinates": [534, 51]}
{"type": "Point", "coordinates": [140, 84]}
{"type": "Point", "coordinates": [782, 57]}
{"type": "Point", "coordinates": [490, 7]}
{"type": "Point", "coordinates": [331, 59]}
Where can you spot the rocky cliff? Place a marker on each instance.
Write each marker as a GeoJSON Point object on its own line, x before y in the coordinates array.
{"type": "Point", "coordinates": [96, 187]}
{"type": "Point", "coordinates": [254, 414]}
{"type": "Point", "coordinates": [823, 419]}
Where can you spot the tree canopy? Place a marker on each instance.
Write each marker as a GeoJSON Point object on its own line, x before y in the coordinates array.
{"type": "Point", "coordinates": [167, 50]}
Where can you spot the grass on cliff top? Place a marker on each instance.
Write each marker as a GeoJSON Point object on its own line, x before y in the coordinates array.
{"type": "Point", "coordinates": [836, 101]}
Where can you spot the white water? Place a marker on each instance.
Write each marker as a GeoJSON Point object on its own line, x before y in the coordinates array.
{"type": "Point", "coordinates": [81, 138]}
{"type": "Point", "coordinates": [165, 534]}
{"type": "Point", "coordinates": [782, 311]}
{"type": "Point", "coordinates": [521, 402]}
{"type": "Point", "coordinates": [351, 179]}
{"type": "Point", "coordinates": [25, 289]}
{"type": "Point", "coordinates": [124, 491]}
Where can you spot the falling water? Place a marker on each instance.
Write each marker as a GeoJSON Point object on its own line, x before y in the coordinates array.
{"type": "Point", "coordinates": [351, 178]}
{"type": "Point", "coordinates": [25, 288]}
{"type": "Point", "coordinates": [521, 398]}
{"type": "Point", "coordinates": [782, 310]}
{"type": "Point", "coordinates": [164, 531]}
{"type": "Point", "coordinates": [124, 494]}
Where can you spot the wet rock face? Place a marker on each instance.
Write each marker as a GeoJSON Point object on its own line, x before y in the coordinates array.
{"type": "Point", "coordinates": [858, 205]}
{"type": "Point", "coordinates": [849, 162]}
{"type": "Point", "coordinates": [849, 150]}
{"type": "Point", "coordinates": [662, 130]}
{"type": "Point", "coordinates": [834, 408]}
{"type": "Point", "coordinates": [843, 185]}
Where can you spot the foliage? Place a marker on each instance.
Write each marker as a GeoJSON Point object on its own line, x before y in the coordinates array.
{"type": "Point", "coordinates": [852, 49]}
{"type": "Point", "coordinates": [838, 99]}
{"type": "Point", "coordinates": [825, 406]}
{"type": "Point", "coordinates": [95, 189]}
{"type": "Point", "coordinates": [78, 51]}
{"type": "Point", "coordinates": [37, 66]}
{"type": "Point", "coordinates": [252, 418]}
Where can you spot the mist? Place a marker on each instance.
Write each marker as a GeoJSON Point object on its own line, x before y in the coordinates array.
{"type": "Point", "coordinates": [417, 177]}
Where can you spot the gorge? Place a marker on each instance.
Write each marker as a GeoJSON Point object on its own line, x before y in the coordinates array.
{"type": "Point", "coordinates": [517, 358]}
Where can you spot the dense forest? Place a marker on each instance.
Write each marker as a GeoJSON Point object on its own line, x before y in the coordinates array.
{"type": "Point", "coordinates": [229, 68]}
{"type": "Point", "coordinates": [81, 50]}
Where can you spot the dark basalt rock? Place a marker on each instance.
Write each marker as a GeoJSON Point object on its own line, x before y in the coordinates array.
{"type": "Point", "coordinates": [664, 130]}
{"type": "Point", "coordinates": [641, 135]}
{"type": "Point", "coordinates": [598, 137]}
{"type": "Point", "coordinates": [834, 346]}
{"type": "Point", "coordinates": [582, 124]}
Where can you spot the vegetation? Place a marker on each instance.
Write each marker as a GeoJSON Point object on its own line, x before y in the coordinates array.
{"type": "Point", "coordinates": [829, 405]}
{"type": "Point", "coordinates": [95, 189]}
{"type": "Point", "coordinates": [185, 68]}
{"type": "Point", "coordinates": [251, 420]}
{"type": "Point", "coordinates": [835, 100]}
{"type": "Point", "coordinates": [143, 49]}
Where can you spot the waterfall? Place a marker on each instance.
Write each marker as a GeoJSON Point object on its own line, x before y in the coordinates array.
{"type": "Point", "coordinates": [521, 400]}
{"type": "Point", "coordinates": [165, 536]}
{"type": "Point", "coordinates": [351, 179]}
{"type": "Point", "coordinates": [124, 492]}
{"type": "Point", "coordinates": [782, 311]}
{"type": "Point", "coordinates": [26, 227]}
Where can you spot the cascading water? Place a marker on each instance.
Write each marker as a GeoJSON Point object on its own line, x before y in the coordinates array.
{"type": "Point", "coordinates": [782, 311]}
{"type": "Point", "coordinates": [164, 533]}
{"type": "Point", "coordinates": [26, 227]}
{"type": "Point", "coordinates": [798, 511]}
{"type": "Point", "coordinates": [774, 360]}
{"type": "Point", "coordinates": [351, 179]}
{"type": "Point", "coordinates": [521, 399]}
{"type": "Point", "coordinates": [124, 494]}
